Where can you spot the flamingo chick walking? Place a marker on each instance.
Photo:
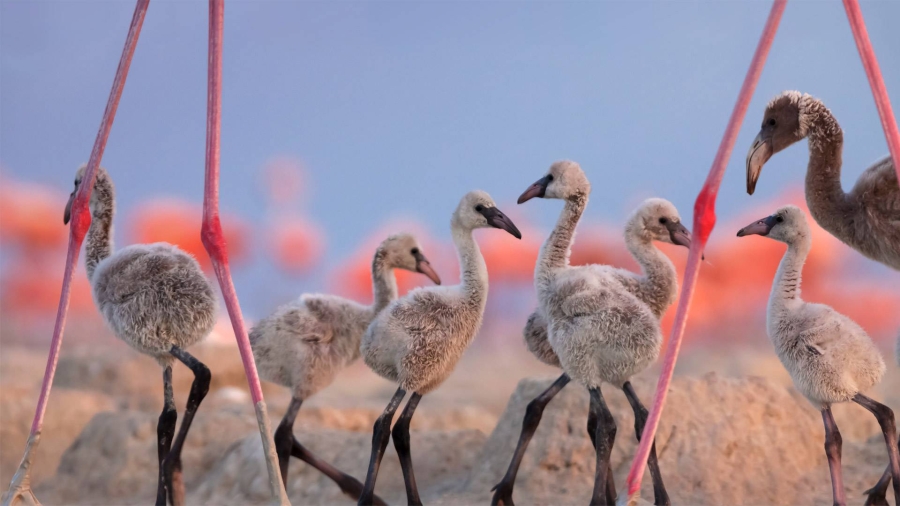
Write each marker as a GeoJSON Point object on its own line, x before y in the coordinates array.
{"type": "Point", "coordinates": [305, 343]}
{"type": "Point", "coordinates": [418, 339]}
{"type": "Point", "coordinates": [156, 299]}
{"type": "Point", "coordinates": [830, 358]}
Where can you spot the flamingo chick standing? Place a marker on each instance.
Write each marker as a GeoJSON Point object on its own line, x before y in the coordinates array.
{"type": "Point", "coordinates": [831, 359]}
{"type": "Point", "coordinates": [418, 339]}
{"type": "Point", "coordinates": [156, 299]}
{"type": "Point", "coordinates": [305, 343]}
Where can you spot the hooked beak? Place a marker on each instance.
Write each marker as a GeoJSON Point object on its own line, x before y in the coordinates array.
{"type": "Point", "coordinates": [497, 219]}
{"type": "Point", "coordinates": [68, 214]}
{"type": "Point", "coordinates": [536, 190]}
{"type": "Point", "coordinates": [679, 234]}
{"type": "Point", "coordinates": [759, 154]}
{"type": "Point", "coordinates": [424, 266]}
{"type": "Point", "coordinates": [761, 227]}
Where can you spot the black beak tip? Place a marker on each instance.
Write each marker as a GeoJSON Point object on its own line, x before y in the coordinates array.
{"type": "Point", "coordinates": [740, 233]}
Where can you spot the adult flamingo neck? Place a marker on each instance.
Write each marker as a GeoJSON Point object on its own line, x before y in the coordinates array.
{"type": "Point", "coordinates": [826, 199]}
{"type": "Point", "coordinates": [99, 240]}
{"type": "Point", "coordinates": [555, 252]}
{"type": "Point", "coordinates": [384, 283]}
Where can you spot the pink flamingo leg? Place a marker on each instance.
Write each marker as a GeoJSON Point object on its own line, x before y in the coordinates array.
{"type": "Point", "coordinates": [704, 221]}
{"type": "Point", "coordinates": [876, 82]}
{"type": "Point", "coordinates": [20, 488]}
{"type": "Point", "coordinates": [214, 242]}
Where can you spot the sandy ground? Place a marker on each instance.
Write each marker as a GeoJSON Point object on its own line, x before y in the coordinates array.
{"type": "Point", "coordinates": [734, 432]}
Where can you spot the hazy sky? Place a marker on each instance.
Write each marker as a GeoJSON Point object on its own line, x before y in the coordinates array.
{"type": "Point", "coordinates": [398, 108]}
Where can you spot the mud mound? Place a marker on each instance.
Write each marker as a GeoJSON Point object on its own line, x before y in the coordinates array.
{"type": "Point", "coordinates": [67, 414]}
{"type": "Point", "coordinates": [442, 459]}
{"type": "Point", "coordinates": [722, 441]}
{"type": "Point", "coordinates": [114, 459]}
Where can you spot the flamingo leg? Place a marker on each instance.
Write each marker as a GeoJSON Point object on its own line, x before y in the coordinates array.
{"type": "Point", "coordinates": [885, 418]}
{"type": "Point", "coordinates": [401, 443]}
{"type": "Point", "coordinates": [533, 413]}
{"type": "Point", "coordinates": [284, 438]}
{"type": "Point", "coordinates": [381, 434]}
{"type": "Point", "coordinates": [606, 435]}
{"type": "Point", "coordinates": [199, 389]}
{"type": "Point", "coordinates": [660, 496]}
{"type": "Point", "coordinates": [165, 431]}
{"type": "Point", "coordinates": [592, 426]}
{"type": "Point", "coordinates": [877, 495]}
{"type": "Point", "coordinates": [20, 486]}
{"type": "Point", "coordinates": [833, 443]}
{"type": "Point", "coordinates": [214, 243]}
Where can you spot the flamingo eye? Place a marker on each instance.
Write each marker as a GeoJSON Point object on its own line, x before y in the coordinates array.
{"type": "Point", "coordinates": [663, 220]}
{"type": "Point", "coordinates": [479, 208]}
{"type": "Point", "coordinates": [779, 219]}
{"type": "Point", "coordinates": [771, 122]}
{"type": "Point", "coordinates": [414, 251]}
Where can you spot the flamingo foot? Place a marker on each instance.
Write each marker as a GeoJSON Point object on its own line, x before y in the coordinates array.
{"type": "Point", "coordinates": [20, 493]}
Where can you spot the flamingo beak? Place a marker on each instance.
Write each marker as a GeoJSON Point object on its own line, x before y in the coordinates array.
{"type": "Point", "coordinates": [759, 154]}
{"type": "Point", "coordinates": [423, 266]}
{"type": "Point", "coordinates": [68, 214]}
{"type": "Point", "coordinates": [497, 219]}
{"type": "Point", "coordinates": [538, 189]}
{"type": "Point", "coordinates": [761, 227]}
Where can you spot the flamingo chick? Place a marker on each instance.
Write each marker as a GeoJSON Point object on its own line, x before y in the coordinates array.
{"type": "Point", "coordinates": [598, 328]}
{"type": "Point", "coordinates": [305, 343]}
{"type": "Point", "coordinates": [156, 299]}
{"type": "Point", "coordinates": [830, 358]}
{"type": "Point", "coordinates": [418, 339]}
{"type": "Point", "coordinates": [654, 220]}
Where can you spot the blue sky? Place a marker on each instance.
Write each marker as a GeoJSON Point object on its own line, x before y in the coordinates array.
{"type": "Point", "coordinates": [398, 108]}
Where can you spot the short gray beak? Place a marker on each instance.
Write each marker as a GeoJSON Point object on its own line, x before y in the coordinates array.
{"type": "Point", "coordinates": [424, 266]}
{"type": "Point", "coordinates": [761, 227]}
{"type": "Point", "coordinates": [497, 219]}
{"type": "Point", "coordinates": [535, 190]}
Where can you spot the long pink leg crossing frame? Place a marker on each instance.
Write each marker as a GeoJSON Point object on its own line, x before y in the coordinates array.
{"type": "Point", "coordinates": [20, 488]}
{"type": "Point", "coordinates": [704, 207]}
{"type": "Point", "coordinates": [214, 242]}
{"type": "Point", "coordinates": [704, 221]}
{"type": "Point", "coordinates": [20, 492]}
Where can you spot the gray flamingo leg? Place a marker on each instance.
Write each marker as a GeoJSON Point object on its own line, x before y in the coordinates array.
{"type": "Point", "coordinates": [660, 496]}
{"type": "Point", "coordinates": [606, 435]}
{"type": "Point", "coordinates": [165, 431]}
{"type": "Point", "coordinates": [611, 495]}
{"type": "Point", "coordinates": [400, 435]}
{"type": "Point", "coordinates": [381, 434]}
{"type": "Point", "coordinates": [199, 388]}
{"type": "Point", "coordinates": [503, 490]}
{"type": "Point", "coordinates": [885, 418]}
{"type": "Point", "coordinates": [833, 443]}
{"type": "Point", "coordinates": [284, 438]}
{"type": "Point", "coordinates": [348, 484]}
{"type": "Point", "coordinates": [877, 495]}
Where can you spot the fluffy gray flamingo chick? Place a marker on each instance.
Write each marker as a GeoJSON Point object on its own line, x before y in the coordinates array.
{"type": "Point", "coordinates": [305, 343]}
{"type": "Point", "coordinates": [156, 299]}
{"type": "Point", "coordinates": [868, 217]}
{"type": "Point", "coordinates": [830, 358]}
{"type": "Point", "coordinates": [657, 286]}
{"type": "Point", "coordinates": [418, 339]}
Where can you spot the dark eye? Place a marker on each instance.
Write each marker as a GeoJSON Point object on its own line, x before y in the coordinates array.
{"type": "Point", "coordinates": [771, 122]}
{"type": "Point", "coordinates": [479, 208]}
{"type": "Point", "coordinates": [414, 251]}
{"type": "Point", "coordinates": [779, 219]}
{"type": "Point", "coordinates": [549, 177]}
{"type": "Point", "coordinates": [663, 220]}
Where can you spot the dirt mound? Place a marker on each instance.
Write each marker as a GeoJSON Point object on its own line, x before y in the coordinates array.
{"type": "Point", "coordinates": [442, 459]}
{"type": "Point", "coordinates": [114, 459]}
{"type": "Point", "coordinates": [67, 414]}
{"type": "Point", "coordinates": [722, 441]}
